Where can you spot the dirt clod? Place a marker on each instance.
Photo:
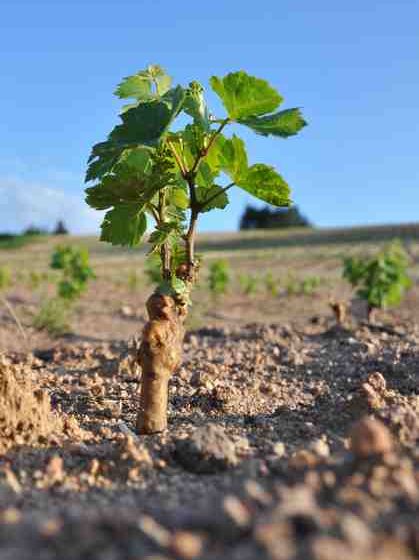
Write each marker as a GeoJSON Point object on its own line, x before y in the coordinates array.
{"type": "Point", "coordinates": [186, 545]}
{"type": "Point", "coordinates": [370, 437]}
{"type": "Point", "coordinates": [207, 450]}
{"type": "Point", "coordinates": [25, 413]}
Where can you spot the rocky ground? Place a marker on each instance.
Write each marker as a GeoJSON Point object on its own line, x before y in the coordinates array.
{"type": "Point", "coordinates": [285, 443]}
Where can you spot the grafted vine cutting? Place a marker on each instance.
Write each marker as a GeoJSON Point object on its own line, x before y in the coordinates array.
{"type": "Point", "coordinates": [154, 167]}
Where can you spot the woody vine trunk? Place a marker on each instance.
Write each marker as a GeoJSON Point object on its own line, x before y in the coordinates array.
{"type": "Point", "coordinates": [160, 354]}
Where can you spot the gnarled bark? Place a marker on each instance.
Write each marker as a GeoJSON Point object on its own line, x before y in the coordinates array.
{"type": "Point", "coordinates": [159, 355]}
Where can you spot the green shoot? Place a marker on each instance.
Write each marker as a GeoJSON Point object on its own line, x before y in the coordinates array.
{"type": "Point", "coordinates": [218, 277]}
{"type": "Point", "coordinates": [249, 283]}
{"type": "Point", "coordinates": [381, 280]}
{"type": "Point", "coordinates": [74, 265]}
{"type": "Point", "coordinates": [5, 278]}
{"type": "Point", "coordinates": [271, 284]}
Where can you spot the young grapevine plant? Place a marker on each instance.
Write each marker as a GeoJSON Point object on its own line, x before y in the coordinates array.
{"type": "Point", "coordinates": [381, 280]}
{"type": "Point", "coordinates": [154, 168]}
{"type": "Point", "coordinates": [76, 271]}
{"type": "Point", "coordinates": [218, 277]}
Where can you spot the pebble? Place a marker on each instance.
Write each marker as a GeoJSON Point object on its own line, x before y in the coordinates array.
{"type": "Point", "coordinates": [320, 447]}
{"type": "Point", "coordinates": [11, 516]}
{"type": "Point", "coordinates": [127, 311]}
{"type": "Point", "coordinates": [279, 449]}
{"type": "Point", "coordinates": [238, 512]}
{"type": "Point", "coordinates": [207, 450]}
{"type": "Point", "coordinates": [186, 545]}
{"type": "Point", "coordinates": [370, 437]}
{"type": "Point", "coordinates": [55, 470]}
{"type": "Point", "coordinates": [355, 530]}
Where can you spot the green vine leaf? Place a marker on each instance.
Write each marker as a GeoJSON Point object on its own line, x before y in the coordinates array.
{"type": "Point", "coordinates": [147, 123]}
{"type": "Point", "coordinates": [233, 158]}
{"type": "Point", "coordinates": [283, 124]}
{"type": "Point", "coordinates": [196, 107]}
{"type": "Point", "coordinates": [139, 160]}
{"type": "Point", "coordinates": [244, 95]}
{"type": "Point", "coordinates": [137, 86]}
{"type": "Point", "coordinates": [179, 196]}
{"type": "Point", "coordinates": [145, 85]}
{"type": "Point", "coordinates": [205, 175]}
{"type": "Point", "coordinates": [124, 225]}
{"type": "Point", "coordinates": [117, 189]}
{"type": "Point", "coordinates": [103, 158]}
{"type": "Point", "coordinates": [217, 198]}
{"type": "Point", "coordinates": [263, 182]}
{"type": "Point", "coordinates": [135, 181]}
{"type": "Point", "coordinates": [194, 139]}
{"type": "Point", "coordinates": [165, 233]}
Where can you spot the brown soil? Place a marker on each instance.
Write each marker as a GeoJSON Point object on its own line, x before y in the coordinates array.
{"type": "Point", "coordinates": [285, 399]}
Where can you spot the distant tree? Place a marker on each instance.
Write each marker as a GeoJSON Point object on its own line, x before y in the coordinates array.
{"type": "Point", "coordinates": [60, 228]}
{"type": "Point", "coordinates": [34, 230]}
{"type": "Point", "coordinates": [267, 218]}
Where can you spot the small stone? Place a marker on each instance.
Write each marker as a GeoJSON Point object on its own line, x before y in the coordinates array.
{"type": "Point", "coordinates": [55, 470]}
{"type": "Point", "coordinates": [50, 528]}
{"type": "Point", "coordinates": [186, 545]}
{"type": "Point", "coordinates": [329, 478]}
{"type": "Point", "coordinates": [207, 450]}
{"type": "Point", "coordinates": [356, 531]}
{"type": "Point", "coordinates": [320, 447]}
{"type": "Point", "coordinates": [127, 311]}
{"type": "Point", "coordinates": [12, 480]}
{"type": "Point", "coordinates": [11, 516]}
{"type": "Point", "coordinates": [94, 467]}
{"type": "Point", "coordinates": [279, 449]}
{"type": "Point", "coordinates": [377, 381]}
{"type": "Point", "coordinates": [224, 398]}
{"type": "Point", "coordinates": [238, 512]}
{"type": "Point", "coordinates": [329, 548]}
{"type": "Point", "coordinates": [303, 459]}
{"type": "Point", "coordinates": [136, 451]}
{"type": "Point", "coordinates": [134, 474]}
{"type": "Point", "coordinates": [374, 391]}
{"type": "Point", "coordinates": [369, 438]}
{"type": "Point", "coordinates": [257, 492]}
{"type": "Point", "coordinates": [277, 539]}
{"type": "Point", "coordinates": [298, 500]}
{"type": "Point", "coordinates": [184, 374]}
{"type": "Point", "coordinates": [193, 341]}
{"type": "Point", "coordinates": [154, 531]}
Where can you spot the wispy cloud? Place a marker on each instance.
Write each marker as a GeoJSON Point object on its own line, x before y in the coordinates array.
{"type": "Point", "coordinates": [24, 202]}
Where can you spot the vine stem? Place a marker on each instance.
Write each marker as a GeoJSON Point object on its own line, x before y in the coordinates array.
{"type": "Point", "coordinates": [205, 151]}
{"type": "Point", "coordinates": [190, 244]}
{"type": "Point", "coordinates": [178, 160]}
{"type": "Point", "coordinates": [165, 250]}
{"type": "Point", "coordinates": [195, 206]}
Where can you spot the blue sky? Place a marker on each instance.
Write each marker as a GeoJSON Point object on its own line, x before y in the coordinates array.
{"type": "Point", "coordinates": [352, 66]}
